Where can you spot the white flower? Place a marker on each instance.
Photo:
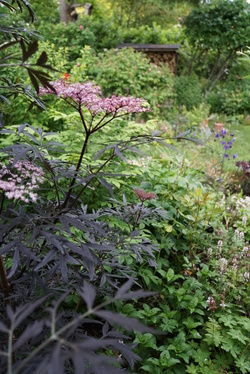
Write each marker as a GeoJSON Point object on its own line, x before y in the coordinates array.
{"type": "Point", "coordinates": [222, 304]}
{"type": "Point", "coordinates": [223, 264]}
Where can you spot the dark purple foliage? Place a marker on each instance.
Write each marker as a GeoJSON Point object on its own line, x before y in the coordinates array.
{"type": "Point", "coordinates": [244, 167]}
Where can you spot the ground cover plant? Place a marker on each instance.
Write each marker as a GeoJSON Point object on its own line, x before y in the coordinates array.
{"type": "Point", "coordinates": [120, 252]}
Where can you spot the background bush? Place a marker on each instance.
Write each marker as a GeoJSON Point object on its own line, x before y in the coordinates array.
{"type": "Point", "coordinates": [188, 90]}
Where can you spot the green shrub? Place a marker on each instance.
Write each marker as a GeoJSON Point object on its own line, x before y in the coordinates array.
{"type": "Point", "coordinates": [215, 100]}
{"type": "Point", "coordinates": [72, 36]}
{"type": "Point", "coordinates": [58, 58]}
{"type": "Point", "coordinates": [85, 31]}
{"type": "Point", "coordinates": [188, 90]}
{"type": "Point", "coordinates": [153, 34]}
{"type": "Point", "coordinates": [231, 97]}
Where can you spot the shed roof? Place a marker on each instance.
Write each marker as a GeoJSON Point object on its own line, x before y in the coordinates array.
{"type": "Point", "coordinates": [151, 47]}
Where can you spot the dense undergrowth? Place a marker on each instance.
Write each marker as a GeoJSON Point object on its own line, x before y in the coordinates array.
{"type": "Point", "coordinates": [124, 221]}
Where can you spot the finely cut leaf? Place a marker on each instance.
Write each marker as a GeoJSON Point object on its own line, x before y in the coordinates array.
{"type": "Point", "coordinates": [88, 293]}
{"type": "Point", "coordinates": [129, 324]}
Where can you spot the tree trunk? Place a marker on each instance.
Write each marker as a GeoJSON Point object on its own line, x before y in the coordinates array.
{"type": "Point", "coordinates": [219, 74]}
{"type": "Point", "coordinates": [63, 8]}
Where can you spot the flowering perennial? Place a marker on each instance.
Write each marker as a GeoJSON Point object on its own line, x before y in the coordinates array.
{"type": "Point", "coordinates": [223, 265]}
{"type": "Point", "coordinates": [89, 95]}
{"type": "Point", "coordinates": [226, 145]}
{"type": "Point", "coordinates": [20, 181]}
{"type": "Point", "coordinates": [211, 303]}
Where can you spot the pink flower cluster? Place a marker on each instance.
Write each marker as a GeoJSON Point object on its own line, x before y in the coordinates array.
{"type": "Point", "coordinates": [20, 181]}
{"type": "Point", "coordinates": [143, 195]}
{"type": "Point", "coordinates": [89, 95]}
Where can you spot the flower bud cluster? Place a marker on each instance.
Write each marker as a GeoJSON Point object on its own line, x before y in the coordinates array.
{"type": "Point", "coordinates": [142, 162]}
{"type": "Point", "coordinates": [21, 180]}
{"type": "Point", "coordinates": [211, 303]}
{"type": "Point", "coordinates": [219, 246]}
{"type": "Point", "coordinates": [143, 195]}
{"type": "Point", "coordinates": [241, 203]}
{"type": "Point", "coordinates": [209, 252]}
{"type": "Point", "coordinates": [223, 265]}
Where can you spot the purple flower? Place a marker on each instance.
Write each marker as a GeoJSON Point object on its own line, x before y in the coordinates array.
{"type": "Point", "coordinates": [222, 142]}
{"type": "Point", "coordinates": [194, 133]}
{"type": "Point", "coordinates": [230, 144]}
{"type": "Point", "coordinates": [223, 132]}
{"type": "Point", "coordinates": [219, 180]}
{"type": "Point", "coordinates": [226, 147]}
{"type": "Point", "coordinates": [235, 155]}
{"type": "Point", "coordinates": [232, 134]}
{"type": "Point", "coordinates": [217, 135]}
{"type": "Point", "coordinates": [226, 155]}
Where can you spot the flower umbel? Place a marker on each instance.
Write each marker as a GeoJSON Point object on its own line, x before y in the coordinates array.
{"type": "Point", "coordinates": [89, 95]}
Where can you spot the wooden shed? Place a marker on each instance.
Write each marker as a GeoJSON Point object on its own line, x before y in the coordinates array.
{"type": "Point", "coordinates": [158, 53]}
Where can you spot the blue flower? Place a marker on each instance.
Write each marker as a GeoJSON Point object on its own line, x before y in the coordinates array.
{"type": "Point", "coordinates": [223, 132]}
{"type": "Point", "coordinates": [226, 155]}
{"type": "Point", "coordinates": [235, 155]}
{"type": "Point", "coordinates": [217, 135]}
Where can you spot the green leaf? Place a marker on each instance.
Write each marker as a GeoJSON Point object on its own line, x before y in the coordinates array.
{"type": "Point", "coordinates": [192, 369]}
{"type": "Point", "coordinates": [243, 363]}
{"type": "Point", "coordinates": [228, 320]}
{"type": "Point", "coordinates": [236, 334]}
{"type": "Point", "coordinates": [191, 324]}
{"type": "Point", "coordinates": [201, 356]}
{"type": "Point", "coordinates": [170, 274]}
{"type": "Point", "coordinates": [169, 325]}
{"type": "Point", "coordinates": [229, 346]}
{"type": "Point", "coordinates": [214, 338]}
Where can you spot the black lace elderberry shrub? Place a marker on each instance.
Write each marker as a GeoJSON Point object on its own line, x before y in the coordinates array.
{"type": "Point", "coordinates": [39, 337]}
{"type": "Point", "coordinates": [57, 248]}
{"type": "Point", "coordinates": [244, 166]}
{"type": "Point", "coordinates": [244, 176]}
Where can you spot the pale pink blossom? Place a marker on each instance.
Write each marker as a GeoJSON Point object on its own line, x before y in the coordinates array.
{"type": "Point", "coordinates": [20, 181]}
